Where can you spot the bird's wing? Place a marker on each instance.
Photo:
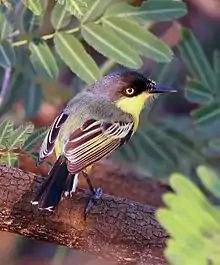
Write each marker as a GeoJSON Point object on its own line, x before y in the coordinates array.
{"type": "Point", "coordinates": [93, 141]}
{"type": "Point", "coordinates": [51, 136]}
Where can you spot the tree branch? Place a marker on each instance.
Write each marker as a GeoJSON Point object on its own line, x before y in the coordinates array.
{"type": "Point", "coordinates": [122, 180]}
{"type": "Point", "coordinates": [117, 229]}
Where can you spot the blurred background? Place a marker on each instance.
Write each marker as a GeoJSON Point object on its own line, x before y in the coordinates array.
{"type": "Point", "coordinates": [177, 133]}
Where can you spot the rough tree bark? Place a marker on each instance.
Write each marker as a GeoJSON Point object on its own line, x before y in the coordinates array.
{"type": "Point", "coordinates": [117, 229]}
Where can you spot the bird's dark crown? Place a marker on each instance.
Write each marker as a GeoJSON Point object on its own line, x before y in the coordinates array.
{"type": "Point", "coordinates": [122, 81]}
{"type": "Point", "coordinates": [137, 81]}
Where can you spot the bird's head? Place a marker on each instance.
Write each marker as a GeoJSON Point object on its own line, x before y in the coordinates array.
{"type": "Point", "coordinates": [129, 90]}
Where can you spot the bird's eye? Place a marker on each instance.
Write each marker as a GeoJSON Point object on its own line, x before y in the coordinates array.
{"type": "Point", "coordinates": [129, 91]}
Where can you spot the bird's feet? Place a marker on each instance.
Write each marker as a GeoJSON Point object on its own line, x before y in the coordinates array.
{"type": "Point", "coordinates": [94, 198]}
{"type": "Point", "coordinates": [71, 188]}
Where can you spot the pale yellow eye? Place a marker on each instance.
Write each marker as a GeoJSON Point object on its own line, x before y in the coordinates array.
{"type": "Point", "coordinates": [130, 91]}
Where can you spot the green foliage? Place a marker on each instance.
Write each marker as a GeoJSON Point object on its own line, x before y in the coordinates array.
{"type": "Point", "coordinates": [77, 59]}
{"type": "Point", "coordinates": [6, 3]}
{"type": "Point", "coordinates": [6, 129]}
{"type": "Point", "coordinates": [109, 44]}
{"type": "Point", "coordinates": [203, 87]}
{"type": "Point", "coordinates": [42, 60]}
{"type": "Point", "coordinates": [215, 144]}
{"type": "Point", "coordinates": [18, 141]}
{"type": "Point", "coordinates": [138, 38]}
{"type": "Point", "coordinates": [37, 136]}
{"type": "Point", "coordinates": [95, 9]}
{"type": "Point", "coordinates": [191, 220]}
{"type": "Point", "coordinates": [196, 60]}
{"type": "Point", "coordinates": [14, 91]}
{"type": "Point", "coordinates": [36, 6]}
{"type": "Point", "coordinates": [210, 180]}
{"type": "Point", "coordinates": [32, 21]}
{"type": "Point", "coordinates": [117, 30]}
{"type": "Point", "coordinates": [9, 158]}
{"type": "Point", "coordinates": [18, 136]}
{"type": "Point", "coordinates": [76, 7]}
{"type": "Point", "coordinates": [60, 17]}
{"type": "Point", "coordinates": [6, 26]}
{"type": "Point", "coordinates": [198, 93]}
{"type": "Point", "coordinates": [162, 10]}
{"type": "Point", "coordinates": [208, 114]}
{"type": "Point", "coordinates": [7, 55]}
{"type": "Point", "coordinates": [32, 99]}
{"type": "Point", "coordinates": [163, 143]}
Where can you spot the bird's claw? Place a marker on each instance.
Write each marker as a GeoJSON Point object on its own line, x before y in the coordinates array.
{"type": "Point", "coordinates": [92, 201]}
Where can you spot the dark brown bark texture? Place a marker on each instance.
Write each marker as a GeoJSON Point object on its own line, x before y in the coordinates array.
{"type": "Point", "coordinates": [117, 229]}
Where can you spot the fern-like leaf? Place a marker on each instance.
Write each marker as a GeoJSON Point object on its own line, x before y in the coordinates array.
{"type": "Point", "coordinates": [33, 139]}
{"type": "Point", "coordinates": [6, 128]}
{"type": "Point", "coordinates": [19, 136]}
{"type": "Point", "coordinates": [192, 221]}
{"type": "Point", "coordinates": [9, 158]}
{"type": "Point", "coordinates": [76, 7]}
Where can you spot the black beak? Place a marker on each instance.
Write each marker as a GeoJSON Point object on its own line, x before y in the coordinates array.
{"type": "Point", "coordinates": [157, 89]}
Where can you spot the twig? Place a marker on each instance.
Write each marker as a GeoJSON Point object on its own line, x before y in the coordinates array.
{"type": "Point", "coordinates": [51, 35]}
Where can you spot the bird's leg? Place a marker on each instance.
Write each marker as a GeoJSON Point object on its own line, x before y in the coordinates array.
{"type": "Point", "coordinates": [71, 185]}
{"type": "Point", "coordinates": [86, 176]}
{"type": "Point", "coordinates": [96, 195]}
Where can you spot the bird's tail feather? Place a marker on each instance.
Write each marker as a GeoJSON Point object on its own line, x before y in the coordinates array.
{"type": "Point", "coordinates": [50, 192]}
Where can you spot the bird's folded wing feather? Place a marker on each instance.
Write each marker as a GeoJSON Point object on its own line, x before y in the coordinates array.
{"type": "Point", "coordinates": [51, 136]}
{"type": "Point", "coordinates": [93, 141]}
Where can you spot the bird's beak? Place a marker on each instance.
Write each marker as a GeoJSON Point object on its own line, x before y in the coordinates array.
{"type": "Point", "coordinates": [157, 89]}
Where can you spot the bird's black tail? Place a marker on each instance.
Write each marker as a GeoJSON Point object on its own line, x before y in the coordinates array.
{"type": "Point", "coordinates": [50, 192]}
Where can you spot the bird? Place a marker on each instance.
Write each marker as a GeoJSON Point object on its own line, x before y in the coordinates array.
{"type": "Point", "coordinates": [94, 123]}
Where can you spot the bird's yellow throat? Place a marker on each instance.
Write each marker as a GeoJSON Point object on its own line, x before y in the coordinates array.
{"type": "Point", "coordinates": [133, 106]}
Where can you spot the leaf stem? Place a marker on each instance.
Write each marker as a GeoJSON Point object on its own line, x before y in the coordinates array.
{"type": "Point", "coordinates": [45, 37]}
{"type": "Point", "coordinates": [50, 36]}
